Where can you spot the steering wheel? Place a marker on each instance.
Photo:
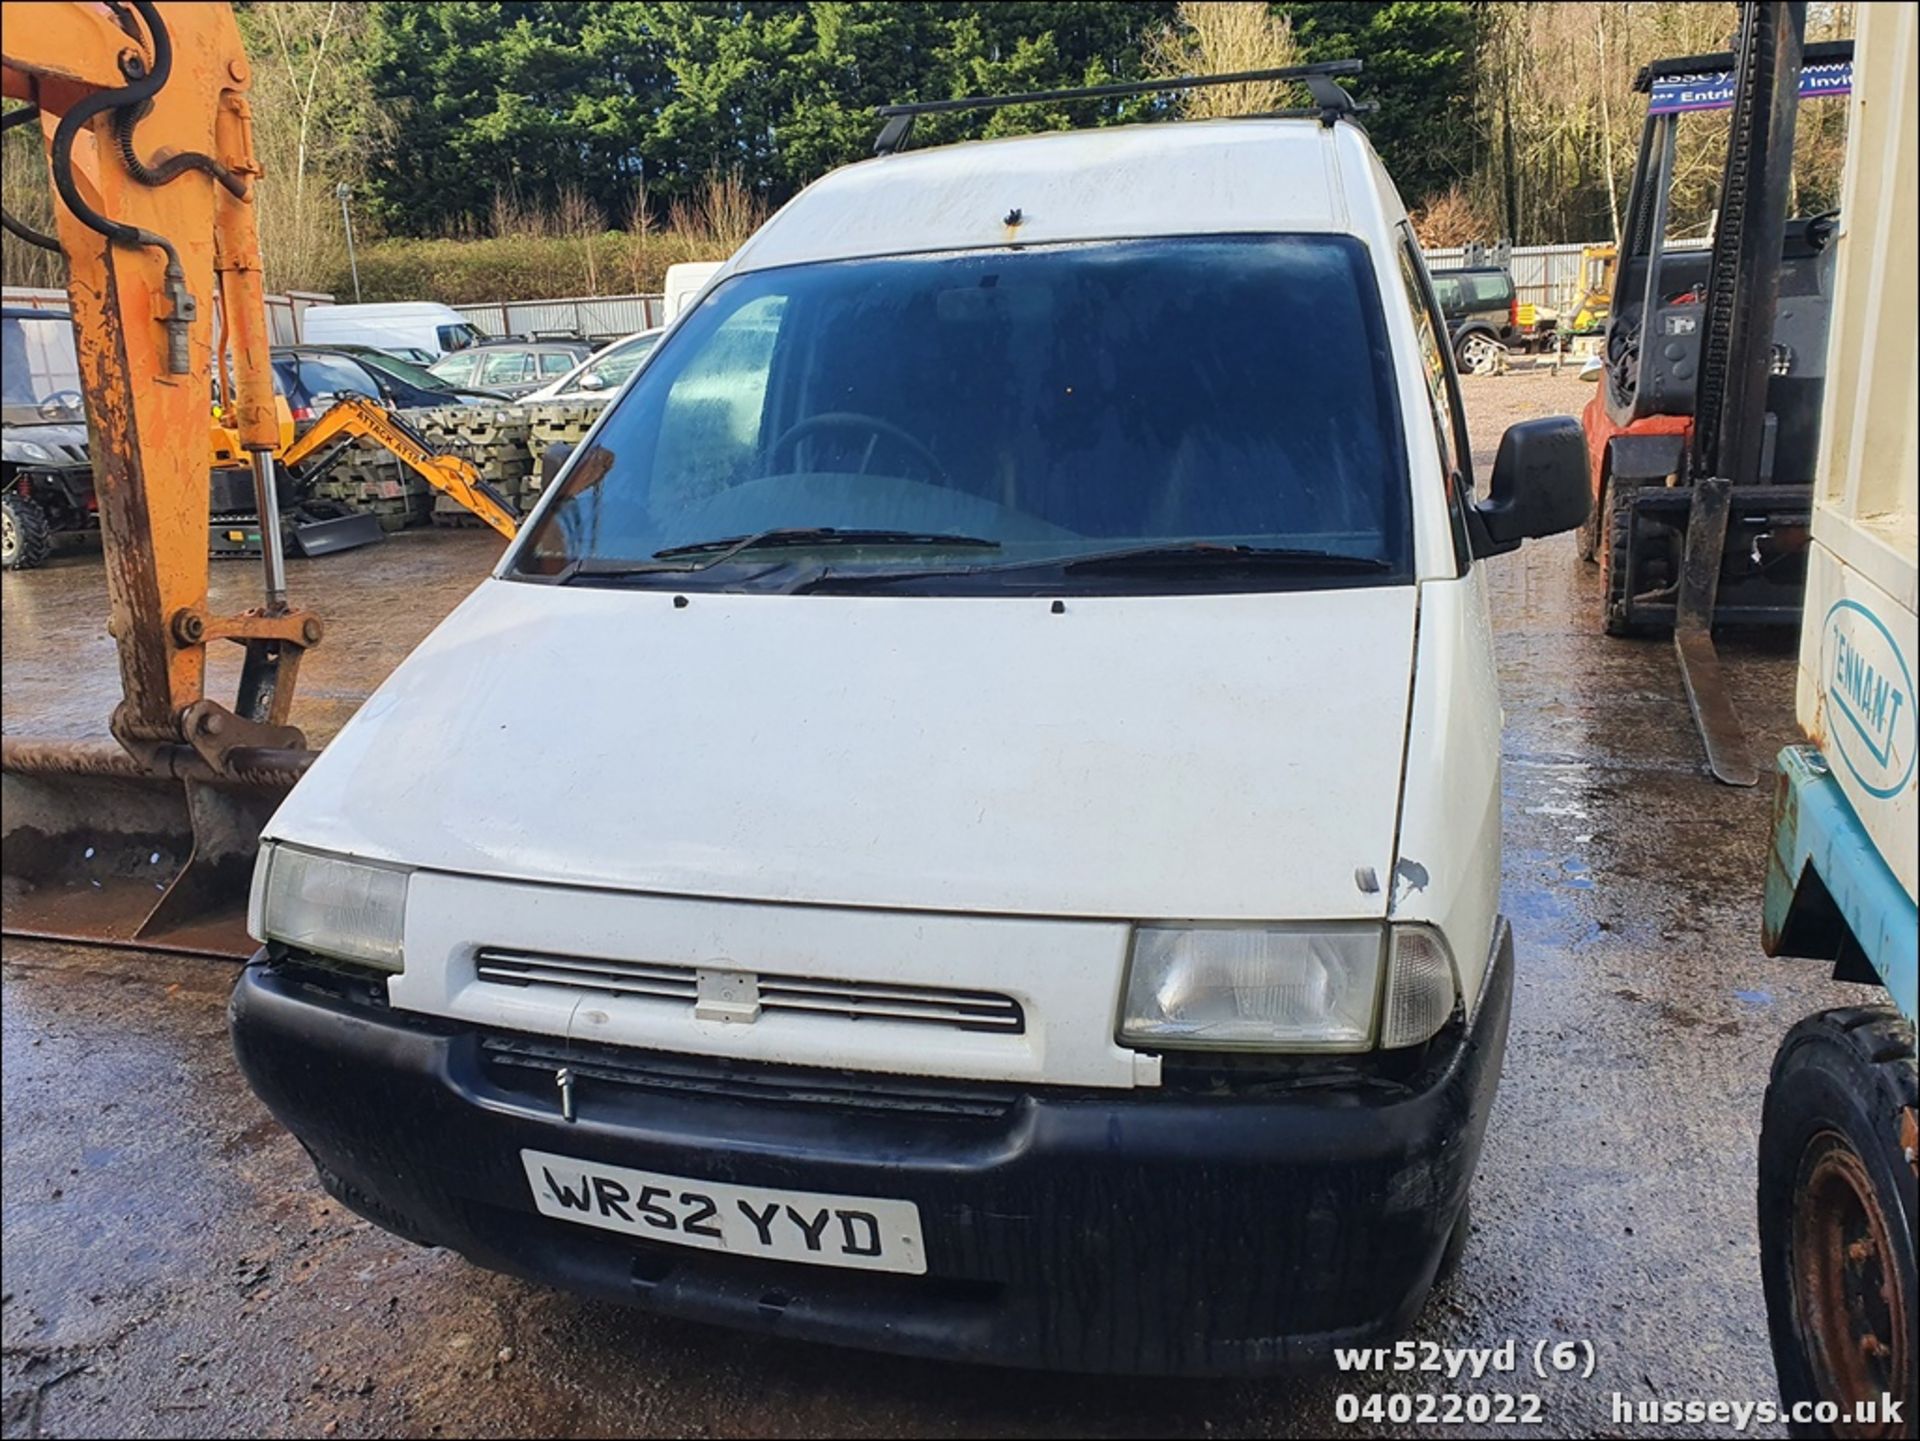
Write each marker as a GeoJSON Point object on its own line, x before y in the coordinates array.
{"type": "Point", "coordinates": [854, 420]}
{"type": "Point", "coordinates": [61, 402]}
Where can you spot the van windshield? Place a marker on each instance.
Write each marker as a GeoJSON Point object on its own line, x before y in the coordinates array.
{"type": "Point", "coordinates": [1221, 408]}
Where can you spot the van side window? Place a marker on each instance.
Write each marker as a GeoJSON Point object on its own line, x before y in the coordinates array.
{"type": "Point", "coordinates": [1443, 396]}
{"type": "Point", "coordinates": [457, 337]}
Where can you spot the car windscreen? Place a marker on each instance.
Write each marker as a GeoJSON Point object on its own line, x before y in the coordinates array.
{"type": "Point", "coordinates": [995, 419]}
{"type": "Point", "coordinates": [614, 364]}
{"type": "Point", "coordinates": [39, 370]}
{"type": "Point", "coordinates": [398, 368]}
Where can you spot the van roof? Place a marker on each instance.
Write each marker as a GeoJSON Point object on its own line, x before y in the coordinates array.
{"type": "Point", "coordinates": [1186, 178]}
{"type": "Point", "coordinates": [387, 307]}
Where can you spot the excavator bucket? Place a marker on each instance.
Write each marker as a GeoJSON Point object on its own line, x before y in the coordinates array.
{"type": "Point", "coordinates": [308, 535]}
{"type": "Point", "coordinates": [98, 849]}
{"type": "Point", "coordinates": [324, 535]}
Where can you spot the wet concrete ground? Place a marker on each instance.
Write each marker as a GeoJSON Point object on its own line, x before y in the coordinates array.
{"type": "Point", "coordinates": [170, 1267]}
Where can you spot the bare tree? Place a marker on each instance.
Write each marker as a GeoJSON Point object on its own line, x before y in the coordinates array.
{"type": "Point", "coordinates": [1224, 37]}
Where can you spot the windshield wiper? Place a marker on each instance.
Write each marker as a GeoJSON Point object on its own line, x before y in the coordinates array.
{"type": "Point", "coordinates": [1208, 554]}
{"type": "Point", "coordinates": [1175, 556]}
{"type": "Point", "coordinates": [727, 547]}
{"type": "Point", "coordinates": [825, 535]}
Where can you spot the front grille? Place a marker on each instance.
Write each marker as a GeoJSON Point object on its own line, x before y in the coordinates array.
{"type": "Point", "coordinates": [527, 1063]}
{"type": "Point", "coordinates": [677, 984]}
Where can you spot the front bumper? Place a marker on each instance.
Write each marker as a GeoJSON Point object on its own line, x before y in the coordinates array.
{"type": "Point", "coordinates": [1230, 1231]}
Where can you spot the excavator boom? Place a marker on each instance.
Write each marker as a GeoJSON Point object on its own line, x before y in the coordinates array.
{"type": "Point", "coordinates": [353, 416]}
{"type": "Point", "coordinates": [149, 139]}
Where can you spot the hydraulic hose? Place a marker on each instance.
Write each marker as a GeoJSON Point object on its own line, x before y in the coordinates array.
{"type": "Point", "coordinates": [140, 89]}
{"type": "Point", "coordinates": [127, 116]}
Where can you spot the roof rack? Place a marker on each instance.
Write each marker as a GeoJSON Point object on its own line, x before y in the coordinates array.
{"type": "Point", "coordinates": [1330, 100]}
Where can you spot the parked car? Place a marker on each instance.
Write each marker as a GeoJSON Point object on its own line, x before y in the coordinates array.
{"type": "Point", "coordinates": [309, 376]}
{"type": "Point", "coordinates": [46, 478]}
{"type": "Point", "coordinates": [1478, 303]}
{"type": "Point", "coordinates": [415, 325]}
{"type": "Point", "coordinates": [513, 368]}
{"type": "Point", "coordinates": [601, 374]}
{"type": "Point", "coordinates": [982, 838]}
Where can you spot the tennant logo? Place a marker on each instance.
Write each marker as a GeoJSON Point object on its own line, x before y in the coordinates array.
{"type": "Point", "coordinates": [1870, 698]}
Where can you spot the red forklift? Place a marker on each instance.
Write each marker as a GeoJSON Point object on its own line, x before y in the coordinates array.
{"type": "Point", "coordinates": [1704, 426]}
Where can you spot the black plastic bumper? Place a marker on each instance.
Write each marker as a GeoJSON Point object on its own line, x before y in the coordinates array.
{"type": "Point", "coordinates": [1149, 1232]}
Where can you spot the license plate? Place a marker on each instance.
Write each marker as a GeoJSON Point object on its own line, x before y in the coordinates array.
{"type": "Point", "coordinates": [808, 1226]}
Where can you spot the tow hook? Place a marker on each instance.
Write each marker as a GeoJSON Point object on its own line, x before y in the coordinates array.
{"type": "Point", "coordinates": [563, 1078]}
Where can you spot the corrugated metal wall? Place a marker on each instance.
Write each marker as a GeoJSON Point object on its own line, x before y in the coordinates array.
{"type": "Point", "coordinates": [1546, 275]}
{"type": "Point", "coordinates": [598, 317]}
{"type": "Point", "coordinates": [283, 311]}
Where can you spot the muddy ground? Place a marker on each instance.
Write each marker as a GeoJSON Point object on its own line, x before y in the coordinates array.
{"type": "Point", "coordinates": [170, 1267]}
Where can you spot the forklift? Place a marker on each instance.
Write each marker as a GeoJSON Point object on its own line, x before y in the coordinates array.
{"type": "Point", "coordinates": [1703, 429]}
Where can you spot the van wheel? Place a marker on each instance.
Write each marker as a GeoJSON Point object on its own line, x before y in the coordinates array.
{"type": "Point", "coordinates": [26, 535]}
{"type": "Point", "coordinates": [1836, 1203]}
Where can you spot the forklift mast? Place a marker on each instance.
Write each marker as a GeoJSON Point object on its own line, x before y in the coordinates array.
{"type": "Point", "coordinates": [1704, 432]}
{"type": "Point", "coordinates": [1743, 292]}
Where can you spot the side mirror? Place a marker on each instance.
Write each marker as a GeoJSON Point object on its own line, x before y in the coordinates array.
{"type": "Point", "coordinates": [1539, 486]}
{"type": "Point", "coordinates": [551, 460]}
{"type": "Point", "coordinates": [591, 381]}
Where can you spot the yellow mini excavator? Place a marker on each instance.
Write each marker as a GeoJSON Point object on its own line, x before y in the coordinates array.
{"type": "Point", "coordinates": [319, 527]}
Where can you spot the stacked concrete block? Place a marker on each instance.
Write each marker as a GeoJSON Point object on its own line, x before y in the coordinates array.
{"type": "Point", "coordinates": [369, 478]}
{"type": "Point", "coordinates": [503, 442]}
{"type": "Point", "coordinates": [557, 423]}
{"type": "Point", "coordinates": [493, 438]}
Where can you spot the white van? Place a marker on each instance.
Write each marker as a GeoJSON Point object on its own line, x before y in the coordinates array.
{"type": "Point", "coordinates": [685, 281]}
{"type": "Point", "coordinates": [982, 838]}
{"type": "Point", "coordinates": [404, 327]}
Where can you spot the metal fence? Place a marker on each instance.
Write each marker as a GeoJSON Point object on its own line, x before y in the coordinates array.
{"type": "Point", "coordinates": [597, 317]}
{"type": "Point", "coordinates": [283, 311]}
{"type": "Point", "coordinates": [1546, 275]}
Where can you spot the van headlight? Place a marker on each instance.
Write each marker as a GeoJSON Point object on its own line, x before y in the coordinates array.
{"type": "Point", "coordinates": [1285, 987]}
{"type": "Point", "coordinates": [348, 909]}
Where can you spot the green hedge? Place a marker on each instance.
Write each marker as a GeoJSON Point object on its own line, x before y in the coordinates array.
{"type": "Point", "coordinates": [458, 272]}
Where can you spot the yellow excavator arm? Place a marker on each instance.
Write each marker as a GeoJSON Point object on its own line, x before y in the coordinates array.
{"type": "Point", "coordinates": [148, 840]}
{"type": "Point", "coordinates": [353, 416]}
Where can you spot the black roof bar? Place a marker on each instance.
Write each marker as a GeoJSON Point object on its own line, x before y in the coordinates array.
{"type": "Point", "coordinates": [1819, 52]}
{"type": "Point", "coordinates": [1331, 101]}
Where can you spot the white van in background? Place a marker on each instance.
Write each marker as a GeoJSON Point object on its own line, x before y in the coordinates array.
{"type": "Point", "coordinates": [685, 281]}
{"type": "Point", "coordinates": [403, 325]}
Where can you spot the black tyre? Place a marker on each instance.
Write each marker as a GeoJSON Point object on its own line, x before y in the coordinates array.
{"type": "Point", "coordinates": [26, 535]}
{"type": "Point", "coordinates": [1591, 527]}
{"type": "Point", "coordinates": [1471, 351]}
{"type": "Point", "coordinates": [1456, 1243]}
{"type": "Point", "coordinates": [1615, 523]}
{"type": "Point", "coordinates": [1836, 1203]}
